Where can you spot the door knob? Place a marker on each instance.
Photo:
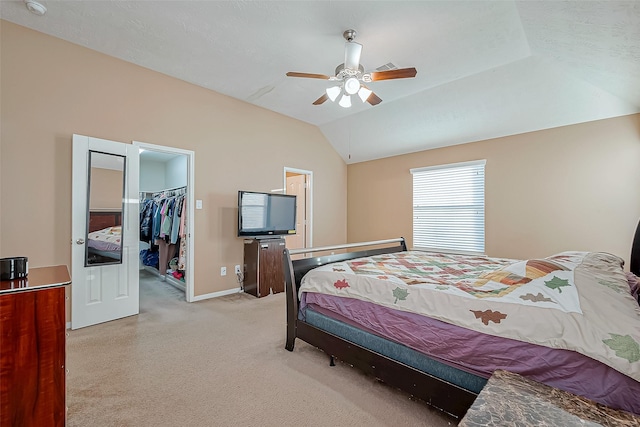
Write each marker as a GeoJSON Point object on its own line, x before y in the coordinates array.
{"type": "Point", "coordinates": [80, 241]}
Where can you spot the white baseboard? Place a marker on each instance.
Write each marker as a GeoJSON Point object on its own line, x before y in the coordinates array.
{"type": "Point", "coordinates": [153, 271]}
{"type": "Point", "coordinates": [166, 278]}
{"type": "Point", "coordinates": [175, 283]}
{"type": "Point", "coordinates": [216, 294]}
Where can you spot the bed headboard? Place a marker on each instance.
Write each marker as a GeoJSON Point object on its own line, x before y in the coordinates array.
{"type": "Point", "coordinates": [634, 264]}
{"type": "Point", "coordinates": [103, 219]}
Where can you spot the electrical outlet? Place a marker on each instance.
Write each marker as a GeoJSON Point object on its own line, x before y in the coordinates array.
{"type": "Point", "coordinates": [223, 271]}
{"type": "Point", "coordinates": [238, 269]}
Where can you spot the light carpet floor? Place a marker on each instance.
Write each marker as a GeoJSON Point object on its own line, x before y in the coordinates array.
{"type": "Point", "coordinates": [220, 362]}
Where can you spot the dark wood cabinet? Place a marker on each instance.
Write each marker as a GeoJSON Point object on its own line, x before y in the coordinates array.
{"type": "Point", "coordinates": [32, 354]}
{"type": "Point", "coordinates": [263, 272]}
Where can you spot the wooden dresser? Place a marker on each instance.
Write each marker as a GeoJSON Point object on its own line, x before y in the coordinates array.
{"type": "Point", "coordinates": [32, 348]}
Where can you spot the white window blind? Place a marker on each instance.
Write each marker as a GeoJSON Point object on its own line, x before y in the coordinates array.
{"type": "Point", "coordinates": [448, 207]}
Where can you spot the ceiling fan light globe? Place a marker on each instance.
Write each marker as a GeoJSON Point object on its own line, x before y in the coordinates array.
{"type": "Point", "coordinates": [345, 101]}
{"type": "Point", "coordinates": [333, 92]}
{"type": "Point", "coordinates": [364, 93]}
{"type": "Point", "coordinates": [351, 85]}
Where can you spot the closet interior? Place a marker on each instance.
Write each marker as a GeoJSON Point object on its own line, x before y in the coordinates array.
{"type": "Point", "coordinates": [163, 216]}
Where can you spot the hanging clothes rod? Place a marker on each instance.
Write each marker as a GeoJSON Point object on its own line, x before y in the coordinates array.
{"type": "Point", "coordinates": [184, 187]}
{"type": "Point", "coordinates": [170, 190]}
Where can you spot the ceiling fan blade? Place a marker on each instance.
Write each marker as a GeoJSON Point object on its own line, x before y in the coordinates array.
{"type": "Point", "coordinates": [308, 75]}
{"type": "Point", "coordinates": [321, 100]}
{"type": "Point", "coordinates": [401, 73]}
{"type": "Point", "coordinates": [374, 99]}
{"type": "Point", "coordinates": [352, 52]}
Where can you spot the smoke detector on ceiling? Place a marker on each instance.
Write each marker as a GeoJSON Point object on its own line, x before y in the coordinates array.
{"type": "Point", "coordinates": [35, 7]}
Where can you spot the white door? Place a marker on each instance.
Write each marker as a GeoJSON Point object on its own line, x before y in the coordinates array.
{"type": "Point", "coordinates": [104, 267]}
{"type": "Point", "coordinates": [297, 186]}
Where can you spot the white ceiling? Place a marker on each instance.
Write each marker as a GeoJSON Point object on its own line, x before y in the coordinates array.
{"type": "Point", "coordinates": [156, 156]}
{"type": "Point", "coordinates": [485, 68]}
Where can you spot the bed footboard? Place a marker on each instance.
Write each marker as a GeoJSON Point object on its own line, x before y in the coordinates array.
{"type": "Point", "coordinates": [294, 270]}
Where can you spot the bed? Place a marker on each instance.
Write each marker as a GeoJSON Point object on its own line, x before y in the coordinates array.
{"type": "Point", "coordinates": [104, 240]}
{"type": "Point", "coordinates": [438, 325]}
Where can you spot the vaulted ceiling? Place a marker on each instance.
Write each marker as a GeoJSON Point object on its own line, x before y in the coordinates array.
{"type": "Point", "coordinates": [485, 68]}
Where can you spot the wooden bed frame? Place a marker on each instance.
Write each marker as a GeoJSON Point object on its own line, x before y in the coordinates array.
{"type": "Point", "coordinates": [103, 219]}
{"type": "Point", "coordinates": [443, 395]}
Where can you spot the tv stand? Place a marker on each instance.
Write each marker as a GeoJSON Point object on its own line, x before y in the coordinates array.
{"type": "Point", "coordinates": [263, 268]}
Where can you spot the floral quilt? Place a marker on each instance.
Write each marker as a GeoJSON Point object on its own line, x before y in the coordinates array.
{"type": "Point", "coordinates": [107, 239]}
{"type": "Point", "coordinates": [577, 301]}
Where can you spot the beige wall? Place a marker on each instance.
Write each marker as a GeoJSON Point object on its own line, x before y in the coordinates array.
{"type": "Point", "coordinates": [569, 188]}
{"type": "Point", "coordinates": [106, 189]}
{"type": "Point", "coordinates": [52, 89]}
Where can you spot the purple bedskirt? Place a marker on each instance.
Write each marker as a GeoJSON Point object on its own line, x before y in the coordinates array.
{"type": "Point", "coordinates": [101, 245]}
{"type": "Point", "coordinates": [481, 354]}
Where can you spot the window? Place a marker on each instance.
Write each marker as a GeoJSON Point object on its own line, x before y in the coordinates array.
{"type": "Point", "coordinates": [448, 207]}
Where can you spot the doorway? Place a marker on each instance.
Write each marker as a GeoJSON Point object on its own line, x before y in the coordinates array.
{"type": "Point", "coordinates": [298, 182]}
{"type": "Point", "coordinates": [167, 250]}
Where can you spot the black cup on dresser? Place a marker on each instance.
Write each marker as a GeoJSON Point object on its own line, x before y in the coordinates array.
{"type": "Point", "coordinates": [14, 268]}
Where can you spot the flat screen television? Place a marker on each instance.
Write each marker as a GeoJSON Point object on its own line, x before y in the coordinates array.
{"type": "Point", "coordinates": [266, 214]}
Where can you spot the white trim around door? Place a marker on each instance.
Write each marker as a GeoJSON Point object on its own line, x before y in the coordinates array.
{"type": "Point", "coordinates": [309, 174]}
{"type": "Point", "coordinates": [189, 282]}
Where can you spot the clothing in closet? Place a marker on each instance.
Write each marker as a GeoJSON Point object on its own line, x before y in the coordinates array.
{"type": "Point", "coordinates": [162, 224]}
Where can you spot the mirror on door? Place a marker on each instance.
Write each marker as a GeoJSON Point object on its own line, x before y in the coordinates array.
{"type": "Point", "coordinates": [105, 207]}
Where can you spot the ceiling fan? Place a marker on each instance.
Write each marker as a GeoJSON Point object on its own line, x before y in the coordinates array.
{"type": "Point", "coordinates": [351, 78]}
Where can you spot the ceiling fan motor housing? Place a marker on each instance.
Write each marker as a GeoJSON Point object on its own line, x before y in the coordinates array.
{"type": "Point", "coordinates": [342, 72]}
